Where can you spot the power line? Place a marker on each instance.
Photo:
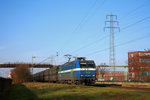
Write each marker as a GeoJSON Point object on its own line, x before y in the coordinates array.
{"type": "Point", "coordinates": [103, 2]}
{"type": "Point", "coordinates": [137, 8]}
{"type": "Point", "coordinates": [136, 23]}
{"type": "Point", "coordinates": [44, 60]}
{"type": "Point", "coordinates": [127, 42]}
{"type": "Point", "coordinates": [140, 38]}
{"type": "Point", "coordinates": [85, 46]}
{"type": "Point", "coordinates": [85, 18]}
{"type": "Point", "coordinates": [124, 28]}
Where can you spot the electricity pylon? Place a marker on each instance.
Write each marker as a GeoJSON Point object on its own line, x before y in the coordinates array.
{"type": "Point", "coordinates": [111, 26]}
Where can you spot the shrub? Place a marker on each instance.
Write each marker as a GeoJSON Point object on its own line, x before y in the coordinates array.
{"type": "Point", "coordinates": [21, 74]}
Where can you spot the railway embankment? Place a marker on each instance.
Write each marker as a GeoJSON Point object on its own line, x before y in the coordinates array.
{"type": "Point", "coordinates": [5, 84]}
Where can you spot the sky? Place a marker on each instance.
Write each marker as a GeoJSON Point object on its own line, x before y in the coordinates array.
{"type": "Point", "coordinates": [41, 28]}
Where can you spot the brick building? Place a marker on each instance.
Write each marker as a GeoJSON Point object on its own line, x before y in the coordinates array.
{"type": "Point", "coordinates": [139, 65]}
{"type": "Point", "coordinates": [113, 76]}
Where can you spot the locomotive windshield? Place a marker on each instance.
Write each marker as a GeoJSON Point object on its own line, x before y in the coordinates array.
{"type": "Point", "coordinates": [83, 65]}
{"type": "Point", "coordinates": [91, 65]}
{"type": "Point", "coordinates": [87, 65]}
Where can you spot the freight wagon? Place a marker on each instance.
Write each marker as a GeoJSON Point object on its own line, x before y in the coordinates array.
{"type": "Point", "coordinates": [79, 71]}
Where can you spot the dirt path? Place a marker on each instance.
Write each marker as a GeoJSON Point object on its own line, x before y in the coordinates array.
{"type": "Point", "coordinates": [133, 88]}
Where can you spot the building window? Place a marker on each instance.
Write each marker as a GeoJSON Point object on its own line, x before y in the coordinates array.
{"type": "Point", "coordinates": [132, 74]}
{"type": "Point", "coordinates": [131, 61]}
{"type": "Point", "coordinates": [140, 60]}
{"type": "Point", "coordinates": [144, 74]}
{"type": "Point", "coordinates": [148, 73]}
{"type": "Point", "coordinates": [131, 55]}
{"type": "Point", "coordinates": [144, 54]}
{"type": "Point", "coordinates": [132, 67]}
{"type": "Point", "coordinates": [144, 60]}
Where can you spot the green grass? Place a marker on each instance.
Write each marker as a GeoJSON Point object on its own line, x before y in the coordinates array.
{"type": "Point", "coordinates": [139, 86]}
{"type": "Point", "coordinates": [54, 91]}
{"type": "Point", "coordinates": [20, 92]}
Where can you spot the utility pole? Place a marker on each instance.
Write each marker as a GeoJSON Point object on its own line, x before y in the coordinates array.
{"type": "Point", "coordinates": [38, 63]}
{"type": "Point", "coordinates": [111, 26]}
{"type": "Point", "coordinates": [32, 64]}
{"type": "Point", "coordinates": [57, 61]}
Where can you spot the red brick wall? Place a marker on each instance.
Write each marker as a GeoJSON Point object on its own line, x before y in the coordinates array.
{"type": "Point", "coordinates": [138, 63]}
{"type": "Point", "coordinates": [118, 76]}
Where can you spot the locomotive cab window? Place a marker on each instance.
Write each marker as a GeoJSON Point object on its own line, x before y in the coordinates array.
{"type": "Point", "coordinates": [83, 65]}
{"type": "Point", "coordinates": [91, 66]}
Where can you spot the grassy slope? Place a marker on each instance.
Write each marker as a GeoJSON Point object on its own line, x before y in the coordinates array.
{"type": "Point", "coordinates": [51, 91]}
{"type": "Point", "coordinates": [20, 92]}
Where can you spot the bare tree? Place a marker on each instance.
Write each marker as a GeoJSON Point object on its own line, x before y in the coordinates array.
{"type": "Point", "coordinates": [101, 71]}
{"type": "Point", "coordinates": [21, 74]}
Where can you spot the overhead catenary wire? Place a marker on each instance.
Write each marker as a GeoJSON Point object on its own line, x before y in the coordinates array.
{"type": "Point", "coordinates": [44, 60]}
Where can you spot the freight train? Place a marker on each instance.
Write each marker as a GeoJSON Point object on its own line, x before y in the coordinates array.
{"type": "Point", "coordinates": [79, 71]}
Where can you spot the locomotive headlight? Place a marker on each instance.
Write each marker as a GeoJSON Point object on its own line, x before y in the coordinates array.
{"type": "Point", "coordinates": [93, 75]}
{"type": "Point", "coordinates": [81, 75]}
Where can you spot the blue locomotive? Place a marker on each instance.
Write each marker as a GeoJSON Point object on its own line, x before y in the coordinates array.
{"type": "Point", "coordinates": [80, 71]}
